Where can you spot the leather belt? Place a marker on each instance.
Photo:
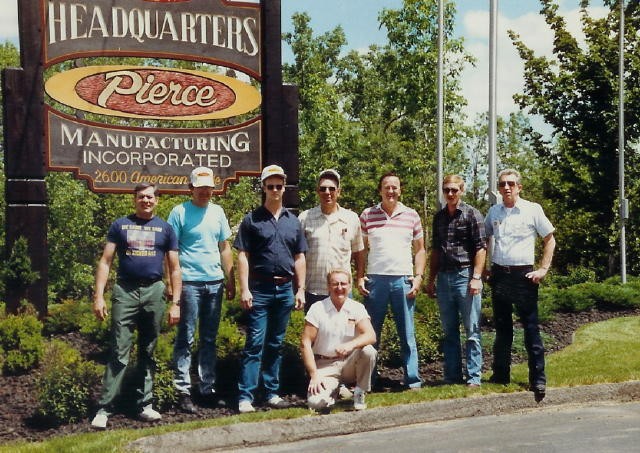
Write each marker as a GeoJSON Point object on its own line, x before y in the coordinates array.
{"type": "Point", "coordinates": [511, 269]}
{"type": "Point", "coordinates": [323, 357]}
{"type": "Point", "coordinates": [138, 281]}
{"type": "Point", "coordinates": [275, 279]}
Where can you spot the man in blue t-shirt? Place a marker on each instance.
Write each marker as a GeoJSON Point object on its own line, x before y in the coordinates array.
{"type": "Point", "coordinates": [205, 259]}
{"type": "Point", "coordinates": [141, 242]}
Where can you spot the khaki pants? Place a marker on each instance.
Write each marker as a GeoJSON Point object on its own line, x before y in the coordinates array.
{"type": "Point", "coordinates": [357, 368]}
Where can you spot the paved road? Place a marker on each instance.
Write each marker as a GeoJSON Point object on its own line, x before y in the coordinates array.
{"type": "Point", "coordinates": [602, 428]}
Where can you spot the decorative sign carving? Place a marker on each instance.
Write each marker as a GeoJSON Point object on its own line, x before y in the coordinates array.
{"type": "Point", "coordinates": [114, 157]}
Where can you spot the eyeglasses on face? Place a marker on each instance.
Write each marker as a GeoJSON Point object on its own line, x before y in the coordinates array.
{"type": "Point", "coordinates": [504, 183]}
{"type": "Point", "coordinates": [339, 284]}
{"type": "Point", "coordinates": [274, 186]}
{"type": "Point", "coordinates": [450, 190]}
{"type": "Point", "coordinates": [326, 189]}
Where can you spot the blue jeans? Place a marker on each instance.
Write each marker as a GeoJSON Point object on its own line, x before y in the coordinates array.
{"type": "Point", "coordinates": [516, 290]}
{"type": "Point", "coordinates": [456, 302]}
{"type": "Point", "coordinates": [201, 303]}
{"type": "Point", "coordinates": [393, 289]}
{"type": "Point", "coordinates": [266, 326]}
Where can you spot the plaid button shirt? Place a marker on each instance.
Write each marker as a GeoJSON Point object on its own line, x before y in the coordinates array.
{"type": "Point", "coordinates": [458, 237]}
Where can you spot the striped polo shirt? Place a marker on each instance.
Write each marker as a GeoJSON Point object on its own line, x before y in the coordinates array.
{"type": "Point", "coordinates": [390, 239]}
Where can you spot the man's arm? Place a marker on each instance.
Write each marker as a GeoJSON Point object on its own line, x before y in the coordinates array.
{"type": "Point", "coordinates": [360, 268]}
{"type": "Point", "coordinates": [475, 285]}
{"type": "Point", "coordinates": [309, 335]}
{"type": "Point", "coordinates": [547, 255]}
{"type": "Point", "coordinates": [420, 261]}
{"type": "Point", "coordinates": [175, 278]}
{"type": "Point", "coordinates": [300, 271]}
{"type": "Point", "coordinates": [102, 275]}
{"type": "Point", "coordinates": [226, 257]}
{"type": "Point", "coordinates": [366, 335]}
{"type": "Point", "coordinates": [246, 298]}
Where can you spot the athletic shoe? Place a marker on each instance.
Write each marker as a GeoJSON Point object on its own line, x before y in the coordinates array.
{"type": "Point", "coordinates": [245, 406]}
{"type": "Point", "coordinates": [358, 400]}
{"type": "Point", "coordinates": [148, 414]}
{"type": "Point", "coordinates": [276, 402]}
{"type": "Point", "coordinates": [100, 420]}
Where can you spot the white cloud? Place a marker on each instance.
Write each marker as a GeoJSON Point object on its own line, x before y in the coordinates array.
{"type": "Point", "coordinates": [9, 21]}
{"type": "Point", "coordinates": [533, 31]}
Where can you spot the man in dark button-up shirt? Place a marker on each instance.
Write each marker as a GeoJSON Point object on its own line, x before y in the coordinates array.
{"type": "Point", "coordinates": [271, 247]}
{"type": "Point", "coordinates": [457, 259]}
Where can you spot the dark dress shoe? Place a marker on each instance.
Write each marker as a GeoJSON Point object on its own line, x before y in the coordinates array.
{"type": "Point", "coordinates": [186, 405]}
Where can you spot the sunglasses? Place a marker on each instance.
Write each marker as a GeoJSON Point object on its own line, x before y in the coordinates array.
{"type": "Point", "coordinates": [504, 183]}
{"type": "Point", "coordinates": [450, 190]}
{"type": "Point", "coordinates": [326, 189]}
{"type": "Point", "coordinates": [274, 186]}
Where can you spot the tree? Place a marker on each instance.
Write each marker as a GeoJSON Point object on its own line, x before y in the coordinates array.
{"type": "Point", "coordinates": [576, 92]}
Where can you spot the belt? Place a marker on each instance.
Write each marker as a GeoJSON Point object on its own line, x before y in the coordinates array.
{"type": "Point", "coordinates": [511, 269]}
{"type": "Point", "coordinates": [275, 279]}
{"type": "Point", "coordinates": [324, 357]}
{"type": "Point", "coordinates": [202, 283]}
{"type": "Point", "coordinates": [138, 282]}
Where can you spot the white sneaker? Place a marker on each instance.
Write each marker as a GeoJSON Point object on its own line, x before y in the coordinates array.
{"type": "Point", "coordinates": [278, 403]}
{"type": "Point", "coordinates": [344, 393]}
{"type": "Point", "coordinates": [318, 403]}
{"type": "Point", "coordinates": [358, 400]}
{"type": "Point", "coordinates": [148, 414]}
{"type": "Point", "coordinates": [245, 406]}
{"type": "Point", "coordinates": [100, 420]}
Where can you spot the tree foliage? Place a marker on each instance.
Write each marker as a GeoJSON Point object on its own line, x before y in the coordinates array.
{"type": "Point", "coordinates": [576, 92]}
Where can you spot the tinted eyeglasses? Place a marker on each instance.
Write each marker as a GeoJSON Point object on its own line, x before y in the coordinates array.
{"type": "Point", "coordinates": [274, 186]}
{"type": "Point", "coordinates": [505, 183]}
{"type": "Point", "coordinates": [450, 190]}
{"type": "Point", "coordinates": [326, 189]}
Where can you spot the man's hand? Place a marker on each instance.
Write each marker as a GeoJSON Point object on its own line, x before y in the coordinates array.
{"type": "Point", "coordinates": [537, 275]}
{"type": "Point", "coordinates": [345, 349]}
{"type": "Point", "coordinates": [246, 300]}
{"type": "Point", "coordinates": [431, 288]}
{"type": "Point", "coordinates": [362, 286]}
{"type": "Point", "coordinates": [315, 385]}
{"type": "Point", "coordinates": [100, 308]}
{"type": "Point", "coordinates": [230, 288]}
{"type": "Point", "coordinates": [416, 282]}
{"type": "Point", "coordinates": [475, 286]}
{"type": "Point", "coordinates": [173, 314]}
{"type": "Point", "coordinates": [299, 299]}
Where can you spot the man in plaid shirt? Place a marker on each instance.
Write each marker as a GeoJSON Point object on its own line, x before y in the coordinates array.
{"type": "Point", "coordinates": [458, 253]}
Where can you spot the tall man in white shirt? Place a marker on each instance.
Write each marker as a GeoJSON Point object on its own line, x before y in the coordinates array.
{"type": "Point", "coordinates": [514, 225]}
{"type": "Point", "coordinates": [393, 235]}
{"type": "Point", "coordinates": [333, 235]}
{"type": "Point", "coordinates": [337, 344]}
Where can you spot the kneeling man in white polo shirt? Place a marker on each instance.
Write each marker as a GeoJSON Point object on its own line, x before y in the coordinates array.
{"type": "Point", "coordinates": [337, 345]}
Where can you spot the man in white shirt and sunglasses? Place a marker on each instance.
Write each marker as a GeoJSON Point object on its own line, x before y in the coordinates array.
{"type": "Point", "coordinates": [513, 227]}
{"type": "Point", "coordinates": [333, 235]}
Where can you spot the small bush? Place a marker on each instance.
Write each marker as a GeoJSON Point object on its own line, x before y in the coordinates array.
{"type": "Point", "coordinates": [164, 392]}
{"type": "Point", "coordinates": [67, 316]}
{"type": "Point", "coordinates": [576, 298]}
{"type": "Point", "coordinates": [575, 276]}
{"type": "Point", "coordinates": [21, 343]}
{"type": "Point", "coordinates": [230, 340]}
{"type": "Point", "coordinates": [65, 384]}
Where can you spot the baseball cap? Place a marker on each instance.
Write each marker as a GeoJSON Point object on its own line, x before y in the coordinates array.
{"type": "Point", "coordinates": [329, 173]}
{"type": "Point", "coordinates": [202, 176]}
{"type": "Point", "coordinates": [272, 170]}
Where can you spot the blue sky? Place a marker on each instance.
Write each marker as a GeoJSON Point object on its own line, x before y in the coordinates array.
{"type": "Point", "coordinates": [359, 21]}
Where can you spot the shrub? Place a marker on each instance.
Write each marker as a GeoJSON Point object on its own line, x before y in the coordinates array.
{"type": "Point", "coordinates": [67, 316]}
{"type": "Point", "coordinates": [164, 392]}
{"type": "Point", "coordinates": [230, 340]}
{"type": "Point", "coordinates": [65, 384]}
{"type": "Point", "coordinates": [575, 276]}
{"type": "Point", "coordinates": [21, 343]}
{"type": "Point", "coordinates": [576, 298]}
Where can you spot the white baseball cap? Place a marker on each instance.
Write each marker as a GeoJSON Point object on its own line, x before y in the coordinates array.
{"type": "Point", "coordinates": [201, 177]}
{"type": "Point", "coordinates": [272, 170]}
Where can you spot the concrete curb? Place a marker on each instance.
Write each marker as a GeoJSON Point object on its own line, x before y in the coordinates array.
{"type": "Point", "coordinates": [280, 431]}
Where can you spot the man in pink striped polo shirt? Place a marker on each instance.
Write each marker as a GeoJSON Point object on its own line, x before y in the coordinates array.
{"type": "Point", "coordinates": [394, 245]}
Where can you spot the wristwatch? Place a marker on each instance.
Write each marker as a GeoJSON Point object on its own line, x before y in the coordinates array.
{"type": "Point", "coordinates": [477, 277]}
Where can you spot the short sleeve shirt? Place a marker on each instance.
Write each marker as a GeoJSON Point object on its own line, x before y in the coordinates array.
{"type": "Point", "coordinates": [515, 230]}
{"type": "Point", "coordinates": [271, 243]}
{"type": "Point", "coordinates": [331, 239]}
{"type": "Point", "coordinates": [334, 327]}
{"type": "Point", "coordinates": [141, 245]}
{"type": "Point", "coordinates": [457, 238]}
{"type": "Point", "coordinates": [390, 239]}
{"type": "Point", "coordinates": [199, 230]}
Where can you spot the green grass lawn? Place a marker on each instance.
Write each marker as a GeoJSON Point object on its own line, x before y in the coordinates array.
{"type": "Point", "coordinates": [602, 353]}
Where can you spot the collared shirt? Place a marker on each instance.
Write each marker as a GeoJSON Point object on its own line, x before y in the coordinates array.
{"type": "Point", "coordinates": [334, 327]}
{"type": "Point", "coordinates": [457, 238]}
{"type": "Point", "coordinates": [514, 232]}
{"type": "Point", "coordinates": [390, 239]}
{"type": "Point", "coordinates": [331, 239]}
{"type": "Point", "coordinates": [271, 244]}
{"type": "Point", "coordinates": [199, 231]}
